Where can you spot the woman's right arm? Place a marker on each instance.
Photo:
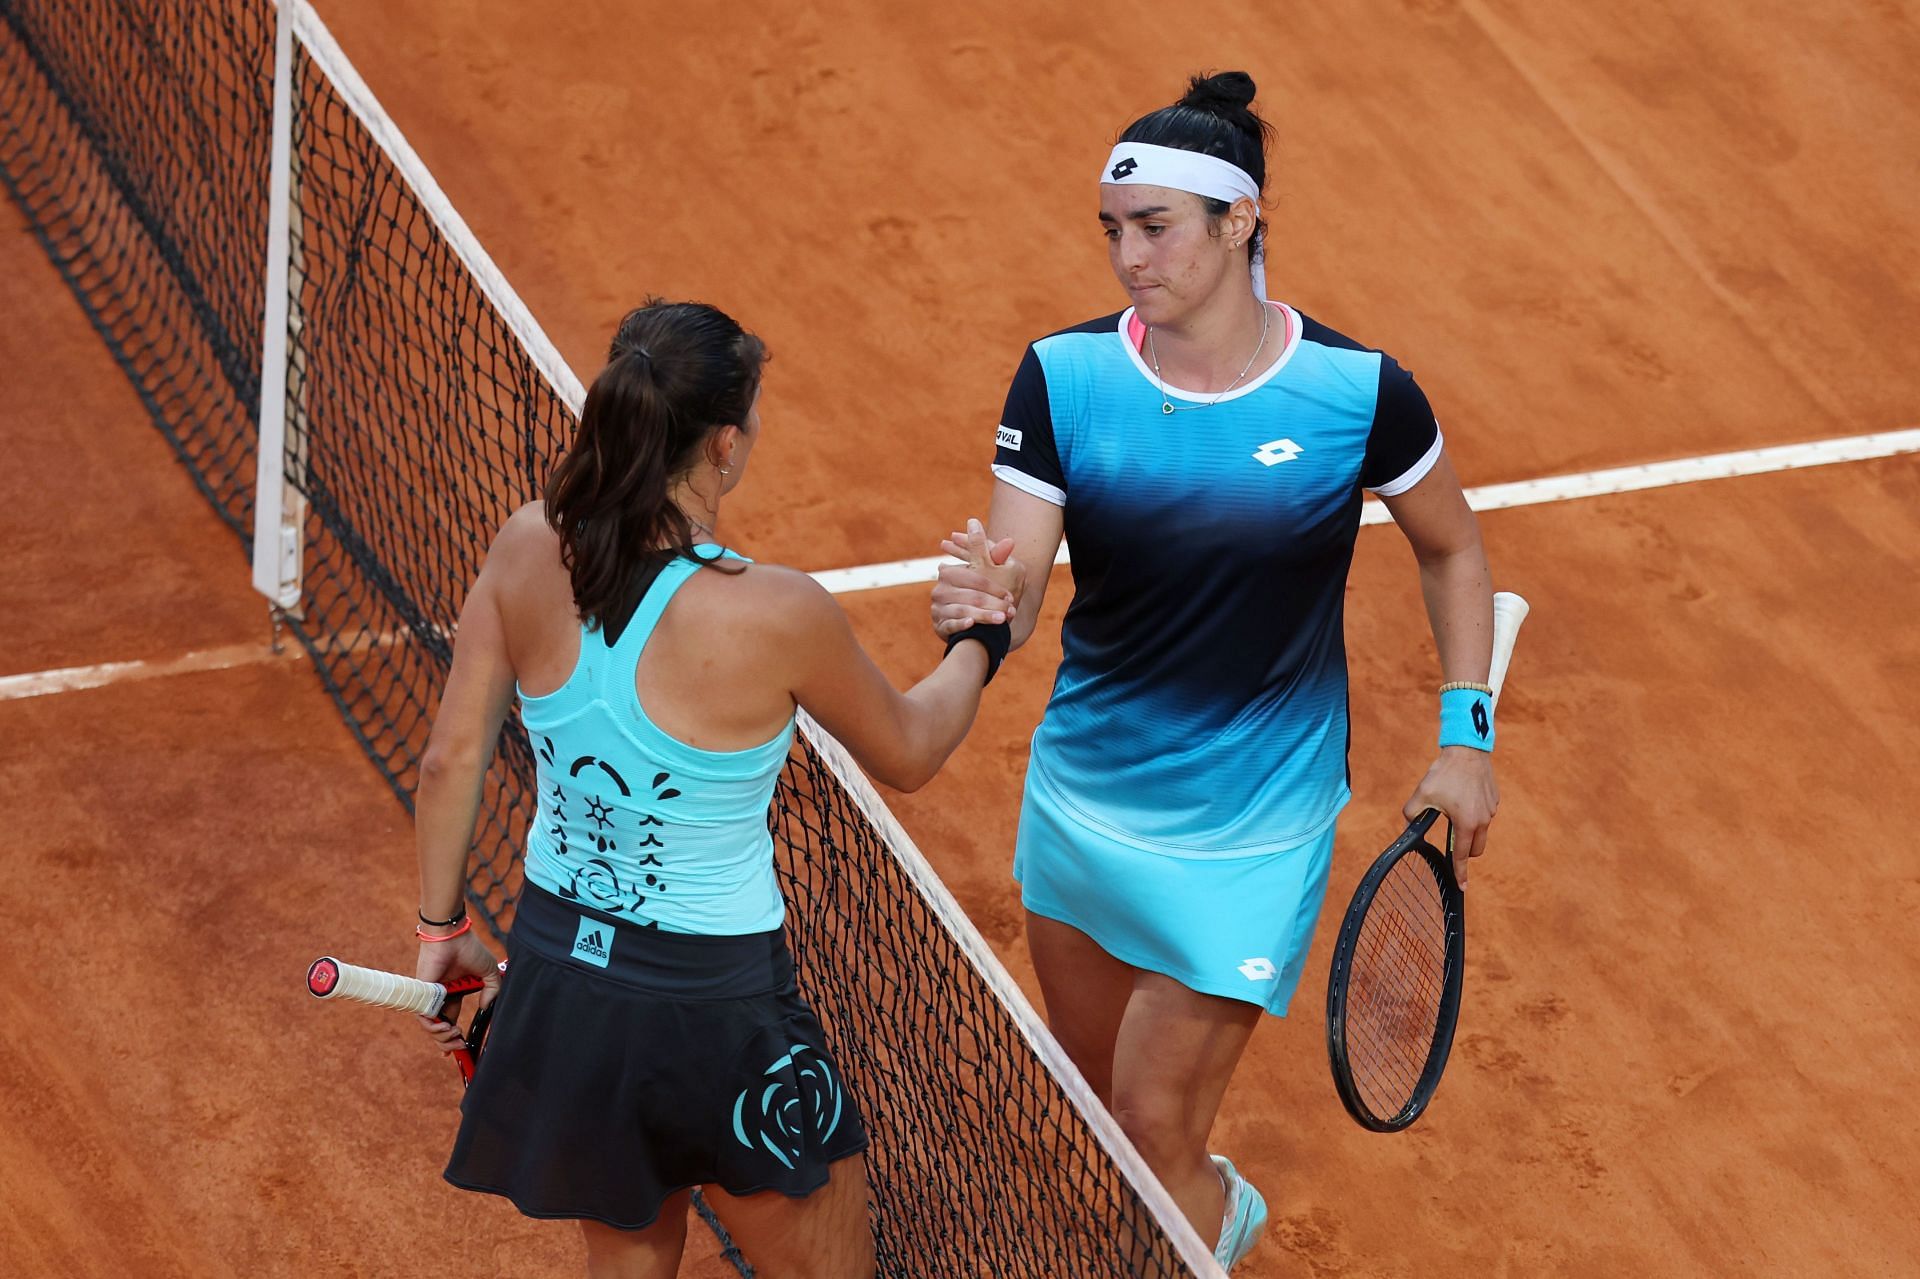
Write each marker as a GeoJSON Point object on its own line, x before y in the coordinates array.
{"type": "Point", "coordinates": [965, 595]}
{"type": "Point", "coordinates": [902, 739]}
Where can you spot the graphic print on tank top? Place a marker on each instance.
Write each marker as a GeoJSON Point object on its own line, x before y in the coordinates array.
{"type": "Point", "coordinates": [635, 822]}
{"type": "Point", "coordinates": [593, 879]}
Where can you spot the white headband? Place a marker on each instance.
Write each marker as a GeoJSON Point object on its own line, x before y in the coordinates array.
{"type": "Point", "coordinates": [1143, 164]}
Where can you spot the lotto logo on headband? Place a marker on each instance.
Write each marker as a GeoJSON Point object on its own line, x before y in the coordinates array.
{"type": "Point", "coordinates": [1142, 163]}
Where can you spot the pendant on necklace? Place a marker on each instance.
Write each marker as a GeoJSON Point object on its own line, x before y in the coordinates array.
{"type": "Point", "coordinates": [1166, 409]}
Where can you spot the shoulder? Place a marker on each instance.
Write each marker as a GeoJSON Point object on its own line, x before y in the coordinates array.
{"type": "Point", "coordinates": [524, 570]}
{"type": "Point", "coordinates": [769, 600]}
{"type": "Point", "coordinates": [1089, 335]}
{"type": "Point", "coordinates": [779, 588]}
{"type": "Point", "coordinates": [1403, 438]}
{"type": "Point", "coordinates": [1070, 359]}
{"type": "Point", "coordinates": [524, 550]}
{"type": "Point", "coordinates": [1311, 330]}
{"type": "Point", "coordinates": [1105, 324]}
{"type": "Point", "coordinates": [1363, 364]}
{"type": "Point", "coordinates": [525, 534]}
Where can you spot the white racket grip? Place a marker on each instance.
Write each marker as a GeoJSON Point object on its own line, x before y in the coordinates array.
{"type": "Point", "coordinates": [329, 978]}
{"type": "Point", "coordinates": [1509, 610]}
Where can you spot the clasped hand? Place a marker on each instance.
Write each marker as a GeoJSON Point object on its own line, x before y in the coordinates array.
{"type": "Point", "coordinates": [985, 587]}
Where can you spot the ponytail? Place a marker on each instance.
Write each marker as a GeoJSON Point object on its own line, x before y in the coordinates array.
{"type": "Point", "coordinates": [676, 373]}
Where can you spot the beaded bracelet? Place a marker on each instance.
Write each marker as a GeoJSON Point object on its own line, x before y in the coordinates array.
{"type": "Point", "coordinates": [1452, 685]}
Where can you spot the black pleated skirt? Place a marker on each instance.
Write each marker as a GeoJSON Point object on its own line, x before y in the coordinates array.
{"type": "Point", "coordinates": [625, 1064]}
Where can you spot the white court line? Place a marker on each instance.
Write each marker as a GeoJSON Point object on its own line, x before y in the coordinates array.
{"type": "Point", "coordinates": [1497, 497]}
{"type": "Point", "coordinates": [72, 679]}
{"type": "Point", "coordinates": [1491, 497]}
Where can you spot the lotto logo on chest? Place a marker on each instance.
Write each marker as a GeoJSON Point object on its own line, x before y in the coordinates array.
{"type": "Point", "coordinates": [1274, 452]}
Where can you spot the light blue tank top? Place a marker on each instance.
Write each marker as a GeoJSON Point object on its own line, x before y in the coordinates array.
{"type": "Point", "coordinates": [637, 823]}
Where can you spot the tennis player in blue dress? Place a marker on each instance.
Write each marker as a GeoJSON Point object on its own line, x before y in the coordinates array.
{"type": "Point", "coordinates": [1204, 452]}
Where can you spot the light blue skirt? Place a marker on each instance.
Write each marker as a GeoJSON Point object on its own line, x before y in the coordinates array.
{"type": "Point", "coordinates": [1237, 927]}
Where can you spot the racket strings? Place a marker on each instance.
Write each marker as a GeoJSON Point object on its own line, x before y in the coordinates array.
{"type": "Point", "coordinates": [1396, 986]}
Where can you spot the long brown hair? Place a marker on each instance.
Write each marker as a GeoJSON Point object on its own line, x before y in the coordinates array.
{"type": "Point", "coordinates": [676, 373]}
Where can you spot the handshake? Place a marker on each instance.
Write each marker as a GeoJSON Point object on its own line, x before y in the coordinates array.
{"type": "Point", "coordinates": [984, 588]}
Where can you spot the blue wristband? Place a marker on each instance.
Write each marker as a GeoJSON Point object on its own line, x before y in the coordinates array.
{"type": "Point", "coordinates": [1466, 719]}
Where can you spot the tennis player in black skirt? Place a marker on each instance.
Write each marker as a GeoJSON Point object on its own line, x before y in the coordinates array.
{"type": "Point", "coordinates": [649, 1036]}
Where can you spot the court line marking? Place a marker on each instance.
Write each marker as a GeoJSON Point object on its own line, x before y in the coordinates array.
{"type": "Point", "coordinates": [1498, 497]}
{"type": "Point", "coordinates": [869, 577]}
{"type": "Point", "coordinates": [72, 679]}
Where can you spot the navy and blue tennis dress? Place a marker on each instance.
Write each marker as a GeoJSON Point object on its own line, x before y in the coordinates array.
{"type": "Point", "coordinates": [1184, 784]}
{"type": "Point", "coordinates": [648, 1034]}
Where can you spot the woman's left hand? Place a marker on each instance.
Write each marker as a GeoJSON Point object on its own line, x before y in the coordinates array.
{"type": "Point", "coordinates": [1460, 784]}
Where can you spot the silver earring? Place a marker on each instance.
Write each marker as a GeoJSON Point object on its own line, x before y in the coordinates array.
{"type": "Point", "coordinates": [726, 470]}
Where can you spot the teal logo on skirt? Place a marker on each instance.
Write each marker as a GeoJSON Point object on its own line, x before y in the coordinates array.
{"type": "Point", "coordinates": [593, 943]}
{"type": "Point", "coordinates": [800, 1095]}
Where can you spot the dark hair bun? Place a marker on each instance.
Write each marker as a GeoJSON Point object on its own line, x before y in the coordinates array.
{"type": "Point", "coordinates": [1215, 117]}
{"type": "Point", "coordinates": [1226, 93]}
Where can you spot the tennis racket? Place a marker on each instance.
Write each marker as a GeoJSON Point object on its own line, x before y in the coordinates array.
{"type": "Point", "coordinates": [330, 978]}
{"type": "Point", "coordinates": [1393, 996]}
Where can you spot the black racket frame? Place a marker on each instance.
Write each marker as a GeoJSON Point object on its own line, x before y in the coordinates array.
{"type": "Point", "coordinates": [1412, 843]}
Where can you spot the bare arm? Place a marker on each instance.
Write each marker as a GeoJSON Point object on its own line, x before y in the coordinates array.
{"type": "Point", "coordinates": [1034, 527]}
{"type": "Point", "coordinates": [1458, 588]}
{"type": "Point", "coordinates": [465, 729]}
{"type": "Point", "coordinates": [900, 738]}
{"type": "Point", "coordinates": [447, 801]}
{"type": "Point", "coordinates": [1454, 577]}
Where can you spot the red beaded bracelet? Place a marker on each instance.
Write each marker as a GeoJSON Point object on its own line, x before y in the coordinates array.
{"type": "Point", "coordinates": [465, 926]}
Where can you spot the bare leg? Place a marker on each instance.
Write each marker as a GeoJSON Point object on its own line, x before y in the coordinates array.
{"type": "Point", "coordinates": [824, 1236]}
{"type": "Point", "coordinates": [1175, 1055]}
{"type": "Point", "coordinates": [1086, 991]}
{"type": "Point", "coordinates": [653, 1253]}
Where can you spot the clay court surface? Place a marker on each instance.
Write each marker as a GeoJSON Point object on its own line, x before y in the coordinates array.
{"type": "Point", "coordinates": [1599, 236]}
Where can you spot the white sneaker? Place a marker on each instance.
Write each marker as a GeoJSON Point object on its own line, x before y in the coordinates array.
{"type": "Point", "coordinates": [1245, 1216]}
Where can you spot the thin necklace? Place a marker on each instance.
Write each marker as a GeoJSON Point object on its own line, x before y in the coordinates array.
{"type": "Point", "coordinates": [1167, 406]}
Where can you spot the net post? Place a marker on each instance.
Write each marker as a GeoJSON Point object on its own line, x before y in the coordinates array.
{"type": "Point", "coordinates": [278, 526]}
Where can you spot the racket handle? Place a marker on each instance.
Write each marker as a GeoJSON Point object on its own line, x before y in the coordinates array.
{"type": "Point", "coordinates": [1509, 610]}
{"type": "Point", "coordinates": [330, 978]}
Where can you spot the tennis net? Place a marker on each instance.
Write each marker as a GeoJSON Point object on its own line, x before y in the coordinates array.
{"type": "Point", "coordinates": [421, 405]}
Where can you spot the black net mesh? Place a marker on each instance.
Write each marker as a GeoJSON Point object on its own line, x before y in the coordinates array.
{"type": "Point", "coordinates": [416, 423]}
{"type": "Point", "coordinates": [136, 137]}
{"type": "Point", "coordinates": [981, 1165]}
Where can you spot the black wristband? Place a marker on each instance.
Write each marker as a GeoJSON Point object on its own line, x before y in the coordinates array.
{"type": "Point", "coordinates": [996, 638]}
{"type": "Point", "coordinates": [458, 915]}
